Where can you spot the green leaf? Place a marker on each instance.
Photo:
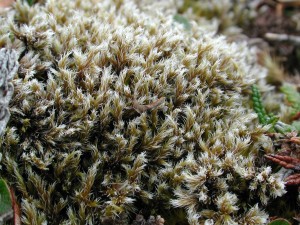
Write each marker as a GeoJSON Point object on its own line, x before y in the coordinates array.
{"type": "Point", "coordinates": [280, 222]}
{"type": "Point", "coordinates": [181, 19]}
{"type": "Point", "coordinates": [5, 201]}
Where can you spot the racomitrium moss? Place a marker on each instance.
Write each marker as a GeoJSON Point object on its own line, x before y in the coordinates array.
{"type": "Point", "coordinates": [118, 112]}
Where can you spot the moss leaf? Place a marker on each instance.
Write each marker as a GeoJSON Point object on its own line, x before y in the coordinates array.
{"type": "Point", "coordinates": [5, 201]}
{"type": "Point", "coordinates": [280, 222]}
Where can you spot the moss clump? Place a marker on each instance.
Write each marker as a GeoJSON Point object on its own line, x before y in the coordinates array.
{"type": "Point", "coordinates": [118, 112]}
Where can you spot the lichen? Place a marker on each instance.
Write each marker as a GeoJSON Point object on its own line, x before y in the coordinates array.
{"type": "Point", "coordinates": [77, 150]}
{"type": "Point", "coordinates": [8, 68]}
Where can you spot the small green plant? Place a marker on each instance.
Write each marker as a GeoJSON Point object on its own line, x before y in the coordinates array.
{"type": "Point", "coordinates": [266, 119]}
{"type": "Point", "coordinates": [263, 117]}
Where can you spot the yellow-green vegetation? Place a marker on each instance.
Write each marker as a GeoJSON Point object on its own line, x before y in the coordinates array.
{"type": "Point", "coordinates": [118, 111]}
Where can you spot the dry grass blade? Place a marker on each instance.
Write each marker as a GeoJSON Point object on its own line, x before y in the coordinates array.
{"type": "Point", "coordinates": [143, 108]}
{"type": "Point", "coordinates": [283, 37]}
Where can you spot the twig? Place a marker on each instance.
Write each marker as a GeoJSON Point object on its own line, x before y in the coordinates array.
{"type": "Point", "coordinates": [283, 37]}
